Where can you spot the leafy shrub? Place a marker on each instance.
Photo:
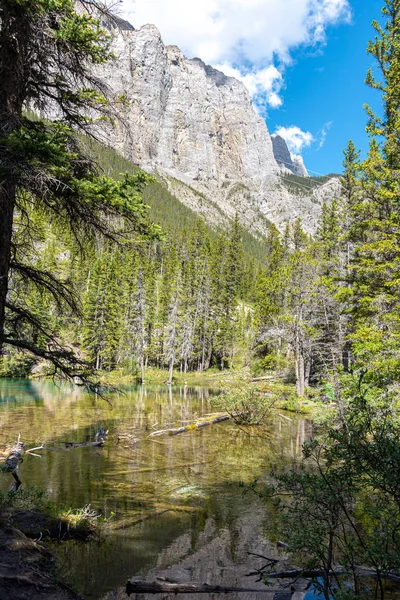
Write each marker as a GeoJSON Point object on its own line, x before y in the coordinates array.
{"type": "Point", "coordinates": [292, 403]}
{"type": "Point", "coordinates": [270, 362]}
{"type": "Point", "coordinates": [29, 498]}
{"type": "Point", "coordinates": [245, 405]}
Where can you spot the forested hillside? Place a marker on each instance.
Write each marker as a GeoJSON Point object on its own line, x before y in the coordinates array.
{"type": "Point", "coordinates": [194, 299]}
{"type": "Point", "coordinates": [93, 276]}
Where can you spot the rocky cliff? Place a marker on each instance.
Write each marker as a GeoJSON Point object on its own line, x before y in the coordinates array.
{"type": "Point", "coordinates": [285, 159]}
{"type": "Point", "coordinates": [198, 130]}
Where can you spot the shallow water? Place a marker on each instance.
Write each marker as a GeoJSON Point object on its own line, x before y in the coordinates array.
{"type": "Point", "coordinates": [167, 497]}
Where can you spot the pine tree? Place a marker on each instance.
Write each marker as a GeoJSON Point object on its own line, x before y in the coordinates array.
{"type": "Point", "coordinates": [47, 52]}
{"type": "Point", "coordinates": [375, 233]}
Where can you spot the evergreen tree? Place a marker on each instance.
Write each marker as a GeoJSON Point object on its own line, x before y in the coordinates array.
{"type": "Point", "coordinates": [375, 233]}
{"type": "Point", "coordinates": [47, 51]}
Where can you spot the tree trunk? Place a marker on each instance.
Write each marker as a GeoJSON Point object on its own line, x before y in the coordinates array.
{"type": "Point", "coordinates": [307, 372]}
{"type": "Point", "coordinates": [142, 367]}
{"type": "Point", "coordinates": [301, 375]}
{"type": "Point", "coordinates": [299, 362]}
{"type": "Point", "coordinates": [7, 204]}
{"type": "Point", "coordinates": [171, 370]}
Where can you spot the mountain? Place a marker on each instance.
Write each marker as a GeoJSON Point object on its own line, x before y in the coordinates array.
{"type": "Point", "coordinates": [198, 129]}
{"type": "Point", "coordinates": [285, 159]}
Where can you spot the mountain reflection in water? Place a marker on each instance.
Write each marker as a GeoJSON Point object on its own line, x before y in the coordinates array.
{"type": "Point", "coordinates": [175, 500]}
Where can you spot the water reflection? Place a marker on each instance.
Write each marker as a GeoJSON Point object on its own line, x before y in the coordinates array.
{"type": "Point", "coordinates": [165, 492]}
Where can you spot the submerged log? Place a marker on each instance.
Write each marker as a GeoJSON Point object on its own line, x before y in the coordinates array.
{"type": "Point", "coordinates": [13, 460]}
{"type": "Point", "coordinates": [144, 587]}
{"type": "Point", "coordinates": [192, 426]}
{"type": "Point", "coordinates": [69, 445]}
{"type": "Point", "coordinates": [72, 445]}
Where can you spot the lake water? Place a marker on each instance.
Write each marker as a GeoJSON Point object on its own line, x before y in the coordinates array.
{"type": "Point", "coordinates": [176, 503]}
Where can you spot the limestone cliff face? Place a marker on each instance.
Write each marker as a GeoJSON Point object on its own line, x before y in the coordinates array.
{"type": "Point", "coordinates": [185, 117]}
{"type": "Point", "coordinates": [284, 158]}
{"type": "Point", "coordinates": [198, 129]}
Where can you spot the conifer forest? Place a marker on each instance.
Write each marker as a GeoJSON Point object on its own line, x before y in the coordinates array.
{"type": "Point", "coordinates": [142, 319]}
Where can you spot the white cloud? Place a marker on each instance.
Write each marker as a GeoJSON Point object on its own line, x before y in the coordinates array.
{"type": "Point", "coordinates": [264, 85]}
{"type": "Point", "coordinates": [253, 37]}
{"type": "Point", "coordinates": [324, 133]}
{"type": "Point", "coordinates": [295, 138]}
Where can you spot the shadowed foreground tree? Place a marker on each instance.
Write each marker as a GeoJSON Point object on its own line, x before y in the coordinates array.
{"type": "Point", "coordinates": [47, 52]}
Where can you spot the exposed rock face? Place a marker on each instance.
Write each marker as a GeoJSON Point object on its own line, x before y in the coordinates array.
{"type": "Point", "coordinates": [198, 129]}
{"type": "Point", "coordinates": [287, 162]}
{"type": "Point", "coordinates": [185, 117]}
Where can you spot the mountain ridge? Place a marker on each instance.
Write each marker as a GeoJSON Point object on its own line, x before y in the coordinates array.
{"type": "Point", "coordinates": [198, 129]}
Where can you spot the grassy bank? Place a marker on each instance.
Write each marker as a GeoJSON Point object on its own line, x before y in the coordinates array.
{"type": "Point", "coordinates": [285, 395]}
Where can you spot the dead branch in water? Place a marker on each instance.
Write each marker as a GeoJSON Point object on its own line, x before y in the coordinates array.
{"type": "Point", "coordinates": [13, 460]}
{"type": "Point", "coordinates": [192, 426]}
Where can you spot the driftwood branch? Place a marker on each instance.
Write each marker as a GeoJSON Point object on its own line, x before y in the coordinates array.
{"type": "Point", "coordinates": [13, 460]}
{"type": "Point", "coordinates": [144, 587]}
{"type": "Point", "coordinates": [16, 453]}
{"type": "Point", "coordinates": [31, 450]}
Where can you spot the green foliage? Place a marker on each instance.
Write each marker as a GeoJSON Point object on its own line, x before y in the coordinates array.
{"type": "Point", "coordinates": [291, 403]}
{"type": "Point", "coordinates": [373, 190]}
{"type": "Point", "coordinates": [16, 364]}
{"type": "Point", "coordinates": [83, 523]}
{"type": "Point", "coordinates": [341, 506]}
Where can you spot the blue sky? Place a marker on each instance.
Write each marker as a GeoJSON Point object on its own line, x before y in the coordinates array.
{"type": "Point", "coordinates": [303, 61]}
{"type": "Point", "coordinates": [325, 90]}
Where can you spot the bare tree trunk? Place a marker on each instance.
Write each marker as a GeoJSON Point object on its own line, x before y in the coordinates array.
{"type": "Point", "coordinates": [299, 363]}
{"type": "Point", "coordinates": [337, 388]}
{"type": "Point", "coordinates": [307, 372]}
{"type": "Point", "coordinates": [301, 382]}
{"type": "Point", "coordinates": [171, 369]}
{"type": "Point", "coordinates": [11, 103]}
{"type": "Point", "coordinates": [142, 368]}
{"type": "Point", "coordinates": [161, 587]}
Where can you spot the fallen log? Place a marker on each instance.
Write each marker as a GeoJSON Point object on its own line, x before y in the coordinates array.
{"type": "Point", "coordinates": [144, 587]}
{"type": "Point", "coordinates": [192, 426]}
{"type": "Point", "coordinates": [339, 572]}
{"type": "Point", "coordinates": [265, 378]}
{"type": "Point", "coordinates": [13, 460]}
